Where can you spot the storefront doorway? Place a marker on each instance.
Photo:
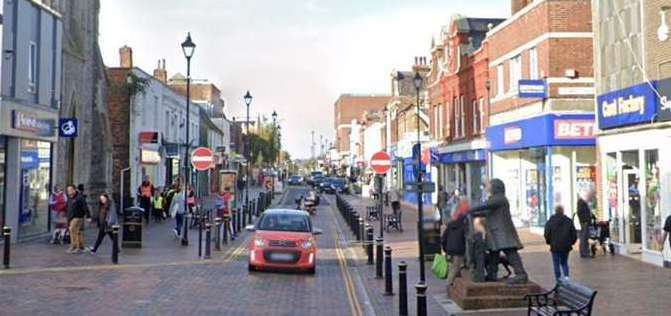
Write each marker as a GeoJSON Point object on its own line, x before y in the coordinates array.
{"type": "Point", "coordinates": [632, 223]}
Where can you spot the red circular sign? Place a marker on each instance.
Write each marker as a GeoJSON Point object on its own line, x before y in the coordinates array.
{"type": "Point", "coordinates": [380, 162]}
{"type": "Point", "coordinates": [202, 158]}
{"type": "Point", "coordinates": [426, 156]}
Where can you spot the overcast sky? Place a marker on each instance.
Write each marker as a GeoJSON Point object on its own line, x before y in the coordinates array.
{"type": "Point", "coordinates": [295, 56]}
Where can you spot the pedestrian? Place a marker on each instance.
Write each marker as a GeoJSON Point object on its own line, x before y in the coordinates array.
{"type": "Point", "coordinates": [395, 199]}
{"type": "Point", "coordinates": [443, 197]}
{"type": "Point", "coordinates": [145, 192]}
{"type": "Point", "coordinates": [107, 217]}
{"type": "Point", "coordinates": [453, 241]}
{"type": "Point", "coordinates": [224, 202]}
{"type": "Point", "coordinates": [157, 206]}
{"type": "Point", "coordinates": [667, 231]}
{"type": "Point", "coordinates": [167, 202]}
{"type": "Point", "coordinates": [560, 234]}
{"type": "Point", "coordinates": [77, 210]}
{"type": "Point", "coordinates": [585, 217]}
{"type": "Point", "coordinates": [501, 232]}
{"type": "Point", "coordinates": [58, 204]}
{"type": "Point", "coordinates": [177, 210]}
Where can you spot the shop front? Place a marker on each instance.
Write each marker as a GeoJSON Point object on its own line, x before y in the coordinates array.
{"type": "Point", "coordinates": [636, 168]}
{"type": "Point", "coordinates": [463, 170]}
{"type": "Point", "coordinates": [544, 161]}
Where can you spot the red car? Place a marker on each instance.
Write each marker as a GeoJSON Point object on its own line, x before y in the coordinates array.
{"type": "Point", "coordinates": [283, 239]}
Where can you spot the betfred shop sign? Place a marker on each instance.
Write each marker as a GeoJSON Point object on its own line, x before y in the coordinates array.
{"type": "Point", "coordinates": [202, 158]}
{"type": "Point", "coordinates": [574, 129]}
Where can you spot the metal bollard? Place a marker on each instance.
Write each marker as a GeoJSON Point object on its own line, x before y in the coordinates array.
{"type": "Point", "coordinates": [388, 286]}
{"type": "Point", "coordinates": [115, 244]}
{"type": "Point", "coordinates": [199, 218]}
{"type": "Point", "coordinates": [378, 260]}
{"type": "Point", "coordinates": [239, 215]}
{"type": "Point", "coordinates": [249, 213]}
{"type": "Point", "coordinates": [227, 223]}
{"type": "Point", "coordinates": [217, 239]}
{"type": "Point", "coordinates": [402, 289]}
{"type": "Point", "coordinates": [208, 238]}
{"type": "Point", "coordinates": [421, 298]}
{"type": "Point", "coordinates": [369, 245]}
{"type": "Point", "coordinates": [185, 234]}
{"type": "Point", "coordinates": [7, 234]}
{"type": "Point", "coordinates": [244, 216]}
{"type": "Point", "coordinates": [362, 231]}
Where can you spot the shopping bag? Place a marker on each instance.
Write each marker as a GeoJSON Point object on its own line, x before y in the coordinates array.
{"type": "Point", "coordinates": [440, 266]}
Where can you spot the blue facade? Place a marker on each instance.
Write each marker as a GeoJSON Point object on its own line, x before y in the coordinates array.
{"type": "Point", "coordinates": [634, 105]}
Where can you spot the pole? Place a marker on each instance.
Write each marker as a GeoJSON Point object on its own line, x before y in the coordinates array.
{"type": "Point", "coordinates": [115, 244]}
{"type": "Point", "coordinates": [380, 206]}
{"type": "Point", "coordinates": [217, 239]}
{"type": "Point", "coordinates": [378, 260]}
{"type": "Point", "coordinates": [249, 157]}
{"type": "Point", "coordinates": [7, 234]}
{"type": "Point", "coordinates": [421, 298]}
{"type": "Point", "coordinates": [402, 289]}
{"type": "Point", "coordinates": [185, 235]}
{"type": "Point", "coordinates": [388, 286]}
{"type": "Point", "coordinates": [208, 238]}
{"type": "Point", "coordinates": [420, 202]}
{"type": "Point", "coordinates": [199, 218]}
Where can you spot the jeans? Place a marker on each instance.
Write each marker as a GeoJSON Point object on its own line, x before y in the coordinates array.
{"type": "Point", "coordinates": [560, 263]}
{"type": "Point", "coordinates": [76, 236]}
{"type": "Point", "coordinates": [101, 234]}
{"type": "Point", "coordinates": [179, 221]}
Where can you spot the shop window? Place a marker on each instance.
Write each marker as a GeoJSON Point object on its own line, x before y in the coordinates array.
{"type": "Point", "coordinates": [611, 197]}
{"type": "Point", "coordinates": [34, 187]}
{"type": "Point", "coordinates": [653, 215]}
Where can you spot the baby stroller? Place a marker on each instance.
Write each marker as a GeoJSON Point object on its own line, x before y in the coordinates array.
{"type": "Point", "coordinates": [599, 235]}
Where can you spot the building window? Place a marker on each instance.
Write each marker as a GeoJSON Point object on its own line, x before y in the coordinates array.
{"type": "Point", "coordinates": [482, 115]}
{"type": "Point", "coordinates": [462, 116]}
{"type": "Point", "coordinates": [499, 80]}
{"type": "Point", "coordinates": [32, 66]}
{"type": "Point", "coordinates": [515, 73]}
{"type": "Point", "coordinates": [533, 63]}
{"type": "Point", "coordinates": [476, 117]}
{"type": "Point", "coordinates": [35, 175]}
{"type": "Point", "coordinates": [441, 128]}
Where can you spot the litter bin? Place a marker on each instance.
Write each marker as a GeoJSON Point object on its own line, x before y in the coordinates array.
{"type": "Point", "coordinates": [132, 227]}
{"type": "Point", "coordinates": [431, 232]}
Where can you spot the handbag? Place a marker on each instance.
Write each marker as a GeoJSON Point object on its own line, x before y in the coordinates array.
{"type": "Point", "coordinates": [440, 266]}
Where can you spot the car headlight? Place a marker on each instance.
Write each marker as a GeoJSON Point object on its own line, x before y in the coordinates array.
{"type": "Point", "coordinates": [260, 243]}
{"type": "Point", "coordinates": [308, 244]}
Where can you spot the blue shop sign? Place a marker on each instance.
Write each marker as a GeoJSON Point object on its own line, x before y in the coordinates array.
{"type": "Point", "coordinates": [171, 150]}
{"type": "Point", "coordinates": [462, 156]}
{"type": "Point", "coordinates": [664, 104]}
{"type": "Point", "coordinates": [32, 123]}
{"type": "Point", "coordinates": [29, 160]}
{"type": "Point", "coordinates": [545, 130]}
{"type": "Point", "coordinates": [630, 106]}
{"type": "Point", "coordinates": [534, 89]}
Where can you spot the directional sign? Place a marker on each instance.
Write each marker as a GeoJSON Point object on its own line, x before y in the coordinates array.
{"type": "Point", "coordinates": [202, 158]}
{"type": "Point", "coordinates": [423, 187]}
{"type": "Point", "coordinates": [380, 162]}
{"type": "Point", "coordinates": [68, 127]}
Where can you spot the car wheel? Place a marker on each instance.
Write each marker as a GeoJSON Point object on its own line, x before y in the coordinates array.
{"type": "Point", "coordinates": [312, 270]}
{"type": "Point", "coordinates": [251, 268]}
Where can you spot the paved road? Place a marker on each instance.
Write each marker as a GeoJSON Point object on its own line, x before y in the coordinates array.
{"type": "Point", "coordinates": [217, 287]}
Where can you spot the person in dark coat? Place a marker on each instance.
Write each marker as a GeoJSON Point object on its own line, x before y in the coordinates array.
{"type": "Point", "coordinates": [585, 217]}
{"type": "Point", "coordinates": [501, 232]}
{"type": "Point", "coordinates": [560, 234]}
{"type": "Point", "coordinates": [453, 242]}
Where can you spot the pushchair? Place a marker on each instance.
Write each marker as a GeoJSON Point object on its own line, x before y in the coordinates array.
{"type": "Point", "coordinates": [599, 236]}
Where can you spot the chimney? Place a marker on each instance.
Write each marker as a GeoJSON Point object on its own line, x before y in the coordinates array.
{"type": "Point", "coordinates": [126, 57]}
{"type": "Point", "coordinates": [160, 73]}
{"type": "Point", "coordinates": [517, 5]}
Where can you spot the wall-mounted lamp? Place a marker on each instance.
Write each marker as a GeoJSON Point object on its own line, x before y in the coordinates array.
{"type": "Point", "coordinates": [663, 30]}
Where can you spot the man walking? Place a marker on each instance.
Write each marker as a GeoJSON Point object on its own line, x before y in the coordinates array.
{"type": "Point", "coordinates": [77, 211]}
{"type": "Point", "coordinates": [177, 210]}
{"type": "Point", "coordinates": [145, 193]}
{"type": "Point", "coordinates": [395, 199]}
{"type": "Point", "coordinates": [442, 204]}
{"type": "Point", "coordinates": [501, 233]}
{"type": "Point", "coordinates": [585, 217]}
{"type": "Point", "coordinates": [560, 234]}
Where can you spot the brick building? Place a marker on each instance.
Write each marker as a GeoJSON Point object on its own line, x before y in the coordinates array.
{"type": "Point", "coordinates": [633, 86]}
{"type": "Point", "coordinates": [541, 133]}
{"type": "Point", "coordinates": [459, 103]}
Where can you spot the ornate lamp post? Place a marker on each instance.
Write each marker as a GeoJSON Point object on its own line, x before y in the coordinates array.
{"type": "Point", "coordinates": [188, 47]}
{"type": "Point", "coordinates": [421, 310]}
{"type": "Point", "coordinates": [248, 156]}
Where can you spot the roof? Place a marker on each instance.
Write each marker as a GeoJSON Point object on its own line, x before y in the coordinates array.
{"type": "Point", "coordinates": [476, 28]}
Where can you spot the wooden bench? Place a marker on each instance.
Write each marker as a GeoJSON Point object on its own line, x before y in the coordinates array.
{"type": "Point", "coordinates": [567, 298]}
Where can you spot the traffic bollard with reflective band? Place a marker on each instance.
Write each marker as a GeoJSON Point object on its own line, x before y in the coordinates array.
{"type": "Point", "coordinates": [217, 239]}
{"type": "Point", "coordinates": [360, 236]}
{"type": "Point", "coordinates": [369, 244]}
{"type": "Point", "coordinates": [7, 235]}
{"type": "Point", "coordinates": [199, 219]}
{"type": "Point", "coordinates": [208, 238]}
{"type": "Point", "coordinates": [388, 286]}
{"type": "Point", "coordinates": [244, 215]}
{"type": "Point", "coordinates": [115, 244]}
{"type": "Point", "coordinates": [421, 298]}
{"type": "Point", "coordinates": [185, 234]}
{"type": "Point", "coordinates": [379, 257]}
{"type": "Point", "coordinates": [402, 289]}
{"type": "Point", "coordinates": [249, 213]}
{"type": "Point", "coordinates": [227, 223]}
{"type": "Point", "coordinates": [241, 216]}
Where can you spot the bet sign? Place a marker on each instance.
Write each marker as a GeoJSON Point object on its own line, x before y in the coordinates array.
{"type": "Point", "coordinates": [574, 129]}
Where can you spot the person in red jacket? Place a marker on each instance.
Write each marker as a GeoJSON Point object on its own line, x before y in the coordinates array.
{"type": "Point", "coordinates": [58, 205]}
{"type": "Point", "coordinates": [145, 193]}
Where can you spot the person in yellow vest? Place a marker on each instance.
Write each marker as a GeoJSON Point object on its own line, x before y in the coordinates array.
{"type": "Point", "coordinates": [145, 194]}
{"type": "Point", "coordinates": [157, 203]}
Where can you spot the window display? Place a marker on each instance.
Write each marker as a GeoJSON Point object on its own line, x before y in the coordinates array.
{"type": "Point", "coordinates": [35, 185]}
{"type": "Point", "coordinates": [652, 210]}
{"type": "Point", "coordinates": [612, 196]}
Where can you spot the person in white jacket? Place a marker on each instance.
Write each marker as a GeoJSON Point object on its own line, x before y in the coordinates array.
{"type": "Point", "coordinates": [177, 210]}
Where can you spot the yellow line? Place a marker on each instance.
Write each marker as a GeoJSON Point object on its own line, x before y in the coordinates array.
{"type": "Point", "coordinates": [355, 307]}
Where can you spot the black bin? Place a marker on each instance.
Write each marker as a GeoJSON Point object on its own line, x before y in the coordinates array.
{"type": "Point", "coordinates": [431, 236]}
{"type": "Point", "coordinates": [132, 227]}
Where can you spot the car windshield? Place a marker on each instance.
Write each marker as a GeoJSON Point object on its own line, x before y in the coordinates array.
{"type": "Point", "coordinates": [285, 222]}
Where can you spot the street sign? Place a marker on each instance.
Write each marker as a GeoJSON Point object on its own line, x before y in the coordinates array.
{"type": "Point", "coordinates": [380, 162]}
{"type": "Point", "coordinates": [202, 158]}
{"type": "Point", "coordinates": [68, 127]}
{"type": "Point", "coordinates": [423, 187]}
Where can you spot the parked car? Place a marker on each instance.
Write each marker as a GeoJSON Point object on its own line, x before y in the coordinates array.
{"type": "Point", "coordinates": [335, 185]}
{"type": "Point", "coordinates": [295, 180]}
{"type": "Point", "coordinates": [313, 176]}
{"type": "Point", "coordinates": [318, 181]}
{"type": "Point", "coordinates": [283, 239]}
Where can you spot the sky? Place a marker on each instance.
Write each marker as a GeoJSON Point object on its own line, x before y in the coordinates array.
{"type": "Point", "coordinates": [294, 56]}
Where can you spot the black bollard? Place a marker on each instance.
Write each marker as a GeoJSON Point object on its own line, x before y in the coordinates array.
{"type": "Point", "coordinates": [115, 244]}
{"type": "Point", "coordinates": [199, 219]}
{"type": "Point", "coordinates": [421, 298]}
{"type": "Point", "coordinates": [208, 238]}
{"type": "Point", "coordinates": [7, 234]}
{"type": "Point", "coordinates": [249, 213]}
{"type": "Point", "coordinates": [388, 286]}
{"type": "Point", "coordinates": [369, 244]}
{"type": "Point", "coordinates": [227, 223]}
{"type": "Point", "coordinates": [244, 216]}
{"type": "Point", "coordinates": [217, 239]}
{"type": "Point", "coordinates": [402, 289]}
{"type": "Point", "coordinates": [378, 260]}
{"type": "Point", "coordinates": [234, 222]}
{"type": "Point", "coordinates": [239, 215]}
{"type": "Point", "coordinates": [362, 231]}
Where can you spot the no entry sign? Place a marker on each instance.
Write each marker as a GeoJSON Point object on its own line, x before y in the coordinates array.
{"type": "Point", "coordinates": [380, 162]}
{"type": "Point", "coordinates": [202, 158]}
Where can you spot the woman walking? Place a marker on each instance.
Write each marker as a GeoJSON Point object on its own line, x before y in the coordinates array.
{"type": "Point", "coordinates": [107, 217]}
{"type": "Point", "coordinates": [560, 234]}
{"type": "Point", "coordinates": [453, 240]}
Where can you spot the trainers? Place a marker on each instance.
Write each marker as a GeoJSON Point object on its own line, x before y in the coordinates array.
{"type": "Point", "coordinates": [176, 232]}
{"type": "Point", "coordinates": [91, 250]}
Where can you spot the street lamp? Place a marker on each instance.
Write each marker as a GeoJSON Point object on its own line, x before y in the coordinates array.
{"type": "Point", "coordinates": [248, 101]}
{"type": "Point", "coordinates": [188, 47]}
{"type": "Point", "coordinates": [417, 80]}
{"type": "Point", "coordinates": [274, 115]}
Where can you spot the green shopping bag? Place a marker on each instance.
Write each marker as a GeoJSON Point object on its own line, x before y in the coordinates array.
{"type": "Point", "coordinates": [440, 266]}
